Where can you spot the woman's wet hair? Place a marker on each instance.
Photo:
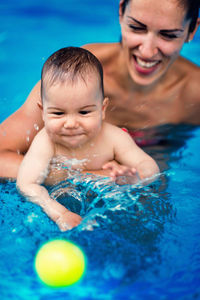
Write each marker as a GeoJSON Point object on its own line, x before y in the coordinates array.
{"type": "Point", "coordinates": [192, 7]}
{"type": "Point", "coordinates": [70, 63]}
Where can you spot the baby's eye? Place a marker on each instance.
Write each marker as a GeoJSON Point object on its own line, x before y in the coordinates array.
{"type": "Point", "coordinates": [58, 113]}
{"type": "Point", "coordinates": [84, 112]}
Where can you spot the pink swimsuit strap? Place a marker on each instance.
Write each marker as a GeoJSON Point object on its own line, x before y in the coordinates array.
{"type": "Point", "coordinates": [141, 138]}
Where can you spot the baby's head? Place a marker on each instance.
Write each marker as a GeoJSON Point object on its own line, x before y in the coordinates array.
{"type": "Point", "coordinates": [70, 64]}
{"type": "Point", "coordinates": [73, 97]}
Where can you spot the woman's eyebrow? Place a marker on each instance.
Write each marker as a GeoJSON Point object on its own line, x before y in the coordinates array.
{"type": "Point", "coordinates": [172, 30]}
{"type": "Point", "coordinates": [162, 30]}
{"type": "Point", "coordinates": [141, 24]}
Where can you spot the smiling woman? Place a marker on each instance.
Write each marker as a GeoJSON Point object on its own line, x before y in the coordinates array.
{"type": "Point", "coordinates": [150, 44]}
{"type": "Point", "coordinates": [147, 81]}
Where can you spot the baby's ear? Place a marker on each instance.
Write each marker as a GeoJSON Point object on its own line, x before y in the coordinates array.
{"type": "Point", "coordinates": [39, 103]}
{"type": "Point", "coordinates": [104, 106]}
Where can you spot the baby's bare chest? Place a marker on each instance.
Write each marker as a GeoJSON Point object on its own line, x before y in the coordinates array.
{"type": "Point", "coordinates": [92, 158]}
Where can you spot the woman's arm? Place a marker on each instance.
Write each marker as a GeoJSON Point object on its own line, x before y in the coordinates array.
{"type": "Point", "coordinates": [17, 133]}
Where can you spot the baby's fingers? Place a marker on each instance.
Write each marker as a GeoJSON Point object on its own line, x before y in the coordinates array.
{"type": "Point", "coordinates": [109, 165]}
{"type": "Point", "coordinates": [72, 221]}
{"type": "Point", "coordinates": [133, 171]}
{"type": "Point", "coordinates": [63, 226]}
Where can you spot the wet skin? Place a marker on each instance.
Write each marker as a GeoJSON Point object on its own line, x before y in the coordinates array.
{"type": "Point", "coordinates": [147, 82]}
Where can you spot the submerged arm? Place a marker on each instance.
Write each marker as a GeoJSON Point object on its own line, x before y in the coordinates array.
{"type": "Point", "coordinates": [31, 175]}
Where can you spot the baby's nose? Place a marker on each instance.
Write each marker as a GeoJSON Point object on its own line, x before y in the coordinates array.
{"type": "Point", "coordinates": [71, 122]}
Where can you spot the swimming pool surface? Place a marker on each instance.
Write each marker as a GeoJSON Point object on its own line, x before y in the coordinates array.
{"type": "Point", "coordinates": [145, 244]}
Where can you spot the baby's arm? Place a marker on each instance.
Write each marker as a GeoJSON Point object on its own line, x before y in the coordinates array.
{"type": "Point", "coordinates": [129, 154]}
{"type": "Point", "coordinates": [32, 173]}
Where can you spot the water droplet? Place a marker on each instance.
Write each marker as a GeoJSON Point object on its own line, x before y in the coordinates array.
{"type": "Point", "coordinates": [36, 126]}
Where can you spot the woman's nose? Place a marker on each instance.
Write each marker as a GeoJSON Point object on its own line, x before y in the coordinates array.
{"type": "Point", "coordinates": [148, 47]}
{"type": "Point", "coordinates": [70, 122]}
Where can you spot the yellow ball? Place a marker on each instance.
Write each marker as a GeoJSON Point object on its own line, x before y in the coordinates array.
{"type": "Point", "coordinates": [60, 263]}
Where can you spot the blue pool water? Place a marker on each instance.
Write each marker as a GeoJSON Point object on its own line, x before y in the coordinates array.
{"type": "Point", "coordinates": [145, 243]}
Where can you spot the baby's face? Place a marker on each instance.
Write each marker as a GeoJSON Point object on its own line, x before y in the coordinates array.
{"type": "Point", "coordinates": [73, 112]}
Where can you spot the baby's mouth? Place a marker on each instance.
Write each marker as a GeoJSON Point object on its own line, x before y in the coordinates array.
{"type": "Point", "coordinates": [72, 133]}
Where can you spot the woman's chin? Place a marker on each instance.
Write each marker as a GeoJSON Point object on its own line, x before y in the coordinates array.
{"type": "Point", "coordinates": [144, 80]}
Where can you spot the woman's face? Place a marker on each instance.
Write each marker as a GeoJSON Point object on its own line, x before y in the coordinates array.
{"type": "Point", "coordinates": [153, 33]}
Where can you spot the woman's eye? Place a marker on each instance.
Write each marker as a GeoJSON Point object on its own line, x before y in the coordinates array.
{"type": "Point", "coordinates": [168, 36]}
{"type": "Point", "coordinates": [136, 28]}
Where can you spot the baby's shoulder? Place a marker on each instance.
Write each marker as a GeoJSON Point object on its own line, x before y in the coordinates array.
{"type": "Point", "coordinates": [113, 132]}
{"type": "Point", "coordinates": [109, 128]}
{"type": "Point", "coordinates": [42, 135]}
{"type": "Point", "coordinates": [42, 141]}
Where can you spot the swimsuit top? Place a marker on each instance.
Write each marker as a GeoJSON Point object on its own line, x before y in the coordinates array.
{"type": "Point", "coordinates": [144, 137]}
{"type": "Point", "coordinates": [167, 134]}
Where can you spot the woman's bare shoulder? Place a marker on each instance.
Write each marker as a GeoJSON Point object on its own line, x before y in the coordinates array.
{"type": "Point", "coordinates": [105, 52]}
{"type": "Point", "coordinates": [187, 74]}
{"type": "Point", "coordinates": [191, 72]}
{"type": "Point", "coordinates": [187, 67]}
{"type": "Point", "coordinates": [190, 93]}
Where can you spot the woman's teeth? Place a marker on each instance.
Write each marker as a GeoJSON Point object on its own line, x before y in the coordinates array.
{"type": "Point", "coordinates": [145, 64]}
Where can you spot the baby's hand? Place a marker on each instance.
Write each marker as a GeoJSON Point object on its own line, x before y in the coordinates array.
{"type": "Point", "coordinates": [68, 220]}
{"type": "Point", "coordinates": [118, 170]}
{"type": "Point", "coordinates": [121, 174]}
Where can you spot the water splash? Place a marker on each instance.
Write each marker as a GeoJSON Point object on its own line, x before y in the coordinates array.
{"type": "Point", "coordinates": [36, 127]}
{"type": "Point", "coordinates": [121, 229]}
{"type": "Point", "coordinates": [95, 198]}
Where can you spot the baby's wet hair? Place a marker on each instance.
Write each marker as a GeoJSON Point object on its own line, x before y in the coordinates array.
{"type": "Point", "coordinates": [70, 63]}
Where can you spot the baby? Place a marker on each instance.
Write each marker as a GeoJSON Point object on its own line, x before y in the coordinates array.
{"type": "Point", "coordinates": [73, 107]}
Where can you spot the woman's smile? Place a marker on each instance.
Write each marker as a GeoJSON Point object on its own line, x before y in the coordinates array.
{"type": "Point", "coordinates": [145, 67]}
